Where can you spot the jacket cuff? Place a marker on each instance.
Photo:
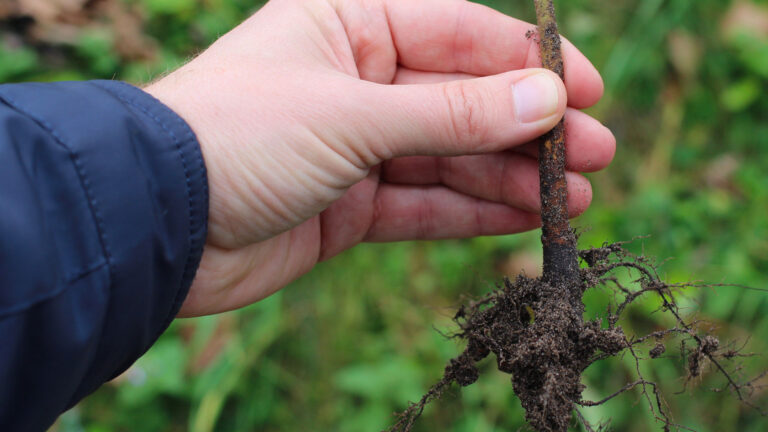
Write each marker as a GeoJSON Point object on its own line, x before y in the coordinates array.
{"type": "Point", "coordinates": [173, 197]}
{"type": "Point", "coordinates": [187, 182]}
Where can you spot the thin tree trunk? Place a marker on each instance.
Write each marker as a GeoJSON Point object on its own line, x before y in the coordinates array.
{"type": "Point", "coordinates": [560, 253]}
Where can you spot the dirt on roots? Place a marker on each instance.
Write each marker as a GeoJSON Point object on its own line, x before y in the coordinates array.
{"type": "Point", "coordinates": [540, 337]}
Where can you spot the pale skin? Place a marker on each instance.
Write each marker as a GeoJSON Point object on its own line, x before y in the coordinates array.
{"type": "Point", "coordinates": [327, 123]}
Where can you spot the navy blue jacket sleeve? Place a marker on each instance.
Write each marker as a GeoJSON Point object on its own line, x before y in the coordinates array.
{"type": "Point", "coordinates": [103, 214]}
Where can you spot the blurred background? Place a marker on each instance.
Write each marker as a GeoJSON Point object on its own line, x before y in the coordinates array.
{"type": "Point", "coordinates": [347, 345]}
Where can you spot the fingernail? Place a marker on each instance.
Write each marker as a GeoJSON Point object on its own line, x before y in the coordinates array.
{"type": "Point", "coordinates": [536, 98]}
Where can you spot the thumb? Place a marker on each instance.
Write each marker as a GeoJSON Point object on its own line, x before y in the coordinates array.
{"type": "Point", "coordinates": [472, 116]}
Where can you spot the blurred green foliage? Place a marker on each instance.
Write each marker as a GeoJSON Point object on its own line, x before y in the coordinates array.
{"type": "Point", "coordinates": [347, 345]}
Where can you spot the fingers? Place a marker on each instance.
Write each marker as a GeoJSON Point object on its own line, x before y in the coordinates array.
{"type": "Point", "coordinates": [465, 37]}
{"type": "Point", "coordinates": [507, 178]}
{"type": "Point", "coordinates": [589, 145]}
{"type": "Point", "coordinates": [462, 117]}
{"type": "Point", "coordinates": [411, 213]}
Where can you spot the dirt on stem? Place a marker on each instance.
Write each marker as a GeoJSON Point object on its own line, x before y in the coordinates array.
{"type": "Point", "coordinates": [557, 237]}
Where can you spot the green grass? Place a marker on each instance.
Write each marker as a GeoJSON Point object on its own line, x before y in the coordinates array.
{"type": "Point", "coordinates": [351, 342]}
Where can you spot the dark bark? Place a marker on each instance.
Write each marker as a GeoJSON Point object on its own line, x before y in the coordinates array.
{"type": "Point", "coordinates": [560, 253]}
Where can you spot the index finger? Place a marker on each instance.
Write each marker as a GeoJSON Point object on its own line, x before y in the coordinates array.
{"type": "Point", "coordinates": [465, 37]}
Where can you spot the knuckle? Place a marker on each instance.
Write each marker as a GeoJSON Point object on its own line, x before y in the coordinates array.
{"type": "Point", "coordinates": [467, 113]}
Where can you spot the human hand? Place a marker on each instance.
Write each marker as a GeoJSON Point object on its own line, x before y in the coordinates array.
{"type": "Point", "coordinates": [326, 123]}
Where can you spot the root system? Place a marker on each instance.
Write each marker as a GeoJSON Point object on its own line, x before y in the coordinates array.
{"type": "Point", "coordinates": [542, 341]}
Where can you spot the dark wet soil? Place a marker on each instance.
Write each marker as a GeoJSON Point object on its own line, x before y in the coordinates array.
{"type": "Point", "coordinates": [541, 340]}
{"type": "Point", "coordinates": [537, 334]}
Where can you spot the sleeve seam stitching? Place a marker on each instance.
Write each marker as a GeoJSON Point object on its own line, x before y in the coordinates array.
{"type": "Point", "coordinates": [82, 177]}
{"type": "Point", "coordinates": [190, 200]}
